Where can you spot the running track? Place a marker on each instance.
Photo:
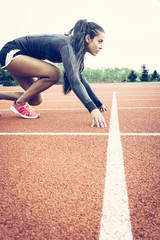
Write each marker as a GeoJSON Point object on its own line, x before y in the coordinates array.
{"type": "Point", "coordinates": [62, 180]}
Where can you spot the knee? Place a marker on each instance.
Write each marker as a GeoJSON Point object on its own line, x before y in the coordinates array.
{"type": "Point", "coordinates": [55, 75]}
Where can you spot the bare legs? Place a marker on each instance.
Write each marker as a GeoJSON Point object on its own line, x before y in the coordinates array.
{"type": "Point", "coordinates": [25, 71]}
{"type": "Point", "coordinates": [10, 95]}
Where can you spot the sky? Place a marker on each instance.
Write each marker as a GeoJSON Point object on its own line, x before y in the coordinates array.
{"type": "Point", "coordinates": [132, 27]}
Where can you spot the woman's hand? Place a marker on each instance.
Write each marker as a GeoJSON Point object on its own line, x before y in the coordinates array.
{"type": "Point", "coordinates": [98, 119]}
{"type": "Point", "coordinates": [103, 108]}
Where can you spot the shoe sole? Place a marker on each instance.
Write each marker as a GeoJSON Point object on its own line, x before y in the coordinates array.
{"type": "Point", "coordinates": [23, 116]}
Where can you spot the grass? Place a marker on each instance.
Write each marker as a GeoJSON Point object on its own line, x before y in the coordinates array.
{"type": "Point", "coordinates": [143, 83]}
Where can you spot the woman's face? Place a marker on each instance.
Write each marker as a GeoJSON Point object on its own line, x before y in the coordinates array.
{"type": "Point", "coordinates": [94, 45]}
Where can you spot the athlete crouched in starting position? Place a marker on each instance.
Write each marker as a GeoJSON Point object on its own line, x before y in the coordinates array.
{"type": "Point", "coordinates": [23, 58]}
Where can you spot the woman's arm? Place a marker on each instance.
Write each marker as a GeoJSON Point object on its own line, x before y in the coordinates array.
{"type": "Point", "coordinates": [69, 63]}
{"type": "Point", "coordinates": [92, 95]}
{"type": "Point", "coordinates": [72, 72]}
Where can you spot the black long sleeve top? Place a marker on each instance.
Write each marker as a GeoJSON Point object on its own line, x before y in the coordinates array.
{"type": "Point", "coordinates": [57, 48]}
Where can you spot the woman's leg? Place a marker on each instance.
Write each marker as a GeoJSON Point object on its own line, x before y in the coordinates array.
{"type": "Point", "coordinates": [10, 95]}
{"type": "Point", "coordinates": [24, 69]}
{"type": "Point", "coordinates": [25, 83]}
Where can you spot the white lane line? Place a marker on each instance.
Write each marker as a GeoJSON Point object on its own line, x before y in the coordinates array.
{"type": "Point", "coordinates": [115, 222]}
{"type": "Point", "coordinates": [120, 100]}
{"type": "Point", "coordinates": [77, 109]}
{"type": "Point", "coordinates": [140, 134]}
{"type": "Point", "coordinates": [75, 134]}
{"type": "Point", "coordinates": [59, 109]}
{"type": "Point", "coordinates": [51, 109]}
{"type": "Point", "coordinates": [138, 108]}
{"type": "Point", "coordinates": [138, 99]}
{"type": "Point", "coordinates": [59, 100]}
{"type": "Point", "coordinates": [52, 134]}
{"type": "Point", "coordinates": [136, 95]}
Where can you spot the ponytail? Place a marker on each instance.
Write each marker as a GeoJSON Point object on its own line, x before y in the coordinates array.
{"type": "Point", "coordinates": [78, 42]}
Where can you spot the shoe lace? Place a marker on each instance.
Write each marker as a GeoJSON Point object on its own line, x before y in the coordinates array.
{"type": "Point", "coordinates": [29, 107]}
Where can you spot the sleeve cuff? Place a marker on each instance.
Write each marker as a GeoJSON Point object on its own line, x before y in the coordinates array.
{"type": "Point", "coordinates": [90, 106]}
{"type": "Point", "coordinates": [98, 104]}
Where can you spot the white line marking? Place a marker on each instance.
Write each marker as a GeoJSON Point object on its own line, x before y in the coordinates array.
{"type": "Point", "coordinates": [105, 100]}
{"type": "Point", "coordinates": [136, 95]}
{"type": "Point", "coordinates": [75, 134]}
{"type": "Point", "coordinates": [140, 134]}
{"type": "Point", "coordinates": [53, 109]}
{"type": "Point", "coordinates": [115, 222]}
{"type": "Point", "coordinates": [138, 108]}
{"type": "Point", "coordinates": [53, 134]}
{"type": "Point", "coordinates": [139, 99]}
{"type": "Point", "coordinates": [77, 109]}
{"type": "Point", "coordinates": [59, 109]}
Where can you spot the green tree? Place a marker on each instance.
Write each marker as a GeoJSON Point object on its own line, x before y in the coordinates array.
{"type": "Point", "coordinates": [6, 79]}
{"type": "Point", "coordinates": [93, 75]}
{"type": "Point", "coordinates": [145, 76]}
{"type": "Point", "coordinates": [155, 76]}
{"type": "Point", "coordinates": [132, 76]}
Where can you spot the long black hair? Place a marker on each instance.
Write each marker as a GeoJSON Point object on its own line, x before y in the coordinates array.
{"type": "Point", "coordinates": [79, 44]}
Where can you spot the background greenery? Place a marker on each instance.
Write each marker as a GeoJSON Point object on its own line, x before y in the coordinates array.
{"type": "Point", "coordinates": [107, 75]}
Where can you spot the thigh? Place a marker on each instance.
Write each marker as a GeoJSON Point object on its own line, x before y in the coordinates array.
{"type": "Point", "coordinates": [25, 66]}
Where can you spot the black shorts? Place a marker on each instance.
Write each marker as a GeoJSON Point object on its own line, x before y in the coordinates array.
{"type": "Point", "coordinates": [8, 53]}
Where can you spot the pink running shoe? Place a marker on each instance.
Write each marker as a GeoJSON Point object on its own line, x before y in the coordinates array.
{"type": "Point", "coordinates": [24, 110]}
{"type": "Point", "coordinates": [0, 114]}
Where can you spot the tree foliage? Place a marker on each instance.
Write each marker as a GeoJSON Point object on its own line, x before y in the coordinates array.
{"type": "Point", "coordinates": [132, 76]}
{"type": "Point", "coordinates": [145, 76]}
{"type": "Point", "coordinates": [155, 76]}
{"type": "Point", "coordinates": [107, 75]}
{"type": "Point", "coordinates": [6, 79]}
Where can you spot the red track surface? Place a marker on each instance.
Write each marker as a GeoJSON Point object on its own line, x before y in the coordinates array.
{"type": "Point", "coordinates": [52, 186]}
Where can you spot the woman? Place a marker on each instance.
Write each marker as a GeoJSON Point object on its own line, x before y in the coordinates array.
{"type": "Point", "coordinates": [23, 58]}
